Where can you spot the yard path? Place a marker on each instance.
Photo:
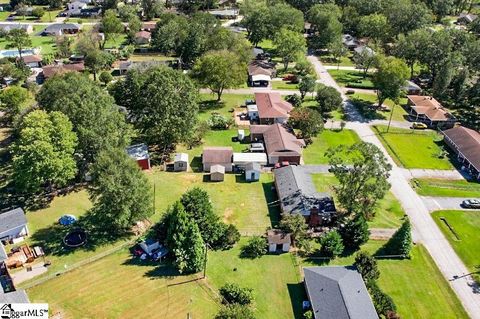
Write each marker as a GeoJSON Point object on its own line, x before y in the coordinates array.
{"type": "Point", "coordinates": [433, 173]}
{"type": "Point", "coordinates": [382, 233]}
{"type": "Point", "coordinates": [425, 229]}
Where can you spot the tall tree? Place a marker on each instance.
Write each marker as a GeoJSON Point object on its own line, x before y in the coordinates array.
{"type": "Point", "coordinates": [12, 101]}
{"type": "Point", "coordinates": [308, 121]}
{"type": "Point", "coordinates": [337, 50]}
{"type": "Point", "coordinates": [43, 153]}
{"type": "Point", "coordinates": [328, 99]}
{"type": "Point", "coordinates": [153, 97]}
{"type": "Point", "coordinates": [374, 26]}
{"type": "Point", "coordinates": [355, 232]}
{"type": "Point", "coordinates": [307, 85]}
{"type": "Point", "coordinates": [295, 225]}
{"type": "Point", "coordinates": [96, 61]}
{"type": "Point", "coordinates": [289, 45]}
{"type": "Point", "coordinates": [120, 192]}
{"type": "Point", "coordinates": [389, 79]}
{"type": "Point", "coordinates": [364, 181]}
{"type": "Point", "coordinates": [18, 39]}
{"type": "Point", "coordinates": [111, 26]}
{"type": "Point", "coordinates": [185, 241]}
{"type": "Point", "coordinates": [409, 47]}
{"type": "Point", "coordinates": [220, 70]}
{"type": "Point", "coordinates": [325, 21]}
{"type": "Point", "coordinates": [96, 120]}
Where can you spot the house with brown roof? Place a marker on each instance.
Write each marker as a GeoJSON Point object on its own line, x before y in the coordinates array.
{"type": "Point", "coordinates": [260, 73]}
{"type": "Point", "coordinates": [51, 70]}
{"type": "Point", "coordinates": [217, 156]}
{"type": "Point", "coordinates": [428, 110]}
{"type": "Point", "coordinates": [149, 26]}
{"type": "Point", "coordinates": [272, 108]}
{"type": "Point", "coordinates": [143, 37]}
{"type": "Point", "coordinates": [32, 61]}
{"type": "Point", "coordinates": [278, 241]}
{"type": "Point", "coordinates": [465, 143]}
{"type": "Point", "coordinates": [280, 144]}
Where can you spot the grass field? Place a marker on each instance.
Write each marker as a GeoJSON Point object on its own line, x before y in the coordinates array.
{"type": "Point", "coordinates": [142, 290]}
{"type": "Point", "coordinates": [353, 79]}
{"type": "Point", "coordinates": [344, 61]}
{"type": "Point", "coordinates": [466, 225]}
{"type": "Point", "coordinates": [47, 44]}
{"type": "Point", "coordinates": [365, 102]}
{"type": "Point", "coordinates": [315, 152]}
{"type": "Point", "coordinates": [229, 102]}
{"type": "Point", "coordinates": [416, 285]}
{"type": "Point", "coordinates": [388, 214]}
{"type": "Point", "coordinates": [283, 85]}
{"type": "Point", "coordinates": [413, 149]}
{"type": "Point", "coordinates": [445, 187]}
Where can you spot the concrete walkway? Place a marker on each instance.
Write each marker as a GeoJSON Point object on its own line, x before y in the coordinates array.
{"type": "Point", "coordinates": [425, 230]}
{"type": "Point", "coordinates": [24, 275]}
{"type": "Point", "coordinates": [433, 173]}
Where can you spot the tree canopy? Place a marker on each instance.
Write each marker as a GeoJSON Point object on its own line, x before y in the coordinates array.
{"type": "Point", "coordinates": [390, 79]}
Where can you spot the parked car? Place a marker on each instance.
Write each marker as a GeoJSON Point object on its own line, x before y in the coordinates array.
{"type": "Point", "coordinates": [419, 126]}
{"type": "Point", "coordinates": [350, 91]}
{"type": "Point", "coordinates": [471, 203]}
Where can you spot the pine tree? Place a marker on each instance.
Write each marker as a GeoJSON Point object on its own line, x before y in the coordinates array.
{"type": "Point", "coordinates": [367, 266]}
{"type": "Point", "coordinates": [355, 232]}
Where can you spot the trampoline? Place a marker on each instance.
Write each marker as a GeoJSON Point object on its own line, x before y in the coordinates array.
{"type": "Point", "coordinates": [75, 238]}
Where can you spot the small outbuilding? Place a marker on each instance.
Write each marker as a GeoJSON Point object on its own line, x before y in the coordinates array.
{"type": "Point", "coordinates": [217, 173]}
{"type": "Point", "coordinates": [240, 160]}
{"type": "Point", "coordinates": [217, 156]}
{"type": "Point", "coordinates": [180, 162]}
{"type": "Point", "coordinates": [252, 172]}
{"type": "Point", "coordinates": [139, 152]}
{"type": "Point", "coordinates": [13, 225]}
{"type": "Point", "coordinates": [241, 135]}
{"type": "Point", "coordinates": [278, 241]}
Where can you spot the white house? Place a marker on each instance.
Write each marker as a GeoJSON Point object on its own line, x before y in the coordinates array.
{"type": "Point", "coordinates": [74, 8]}
{"type": "Point", "coordinates": [278, 241]}
{"type": "Point", "coordinates": [13, 225]}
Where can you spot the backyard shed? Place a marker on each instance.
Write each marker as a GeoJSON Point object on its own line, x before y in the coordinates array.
{"type": "Point", "coordinates": [217, 173]}
{"type": "Point", "coordinates": [252, 110]}
{"type": "Point", "coordinates": [278, 241]}
{"type": "Point", "coordinates": [180, 162]}
{"type": "Point", "coordinates": [139, 152]}
{"type": "Point", "coordinates": [240, 160]}
{"type": "Point", "coordinates": [241, 135]}
{"type": "Point", "coordinates": [252, 172]}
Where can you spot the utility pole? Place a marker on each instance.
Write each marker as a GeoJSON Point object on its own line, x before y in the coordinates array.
{"type": "Point", "coordinates": [205, 262]}
{"type": "Point", "coordinates": [391, 115]}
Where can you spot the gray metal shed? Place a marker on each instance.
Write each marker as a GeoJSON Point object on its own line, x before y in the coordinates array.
{"type": "Point", "coordinates": [217, 173]}
{"type": "Point", "coordinates": [180, 162]}
{"type": "Point", "coordinates": [252, 172]}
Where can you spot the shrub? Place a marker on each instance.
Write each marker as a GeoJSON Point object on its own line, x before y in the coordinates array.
{"type": "Point", "coordinates": [383, 303]}
{"type": "Point", "coordinates": [235, 311]}
{"type": "Point", "coordinates": [355, 232]}
{"type": "Point", "coordinates": [105, 77]}
{"type": "Point", "coordinates": [332, 244]}
{"type": "Point", "coordinates": [328, 99]}
{"type": "Point", "coordinates": [401, 241]}
{"type": "Point", "coordinates": [294, 99]}
{"type": "Point", "coordinates": [234, 294]}
{"type": "Point", "coordinates": [219, 122]}
{"type": "Point", "coordinates": [38, 12]}
{"type": "Point", "coordinates": [367, 266]}
{"type": "Point", "coordinates": [256, 247]}
{"type": "Point", "coordinates": [230, 236]}
{"type": "Point", "coordinates": [308, 314]}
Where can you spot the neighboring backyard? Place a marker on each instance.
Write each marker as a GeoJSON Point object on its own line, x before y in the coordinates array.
{"type": "Point", "coordinates": [315, 152]}
{"type": "Point", "coordinates": [462, 235]}
{"type": "Point", "coordinates": [366, 104]}
{"type": "Point", "coordinates": [445, 187]}
{"type": "Point", "coordinates": [352, 79]}
{"type": "Point", "coordinates": [414, 149]}
{"type": "Point", "coordinates": [388, 214]}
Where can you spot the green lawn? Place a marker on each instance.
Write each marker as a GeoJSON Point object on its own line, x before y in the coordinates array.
{"type": "Point", "coordinates": [445, 187]}
{"type": "Point", "coordinates": [466, 224]}
{"type": "Point", "coordinates": [388, 214]}
{"type": "Point", "coordinates": [416, 285]}
{"type": "Point", "coordinates": [310, 102]}
{"type": "Point", "coordinates": [330, 60]}
{"type": "Point", "coordinates": [47, 44]}
{"type": "Point", "coordinates": [229, 102]}
{"type": "Point", "coordinates": [315, 152]}
{"type": "Point", "coordinates": [414, 149]}
{"type": "Point", "coordinates": [144, 290]}
{"type": "Point", "coordinates": [365, 104]}
{"type": "Point", "coordinates": [353, 79]}
{"type": "Point", "coordinates": [283, 85]}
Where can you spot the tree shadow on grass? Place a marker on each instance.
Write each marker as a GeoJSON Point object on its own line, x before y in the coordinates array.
{"type": "Point", "coordinates": [272, 203]}
{"type": "Point", "coordinates": [51, 238]}
{"type": "Point", "coordinates": [297, 296]}
{"type": "Point", "coordinates": [367, 109]}
{"type": "Point", "coordinates": [210, 105]}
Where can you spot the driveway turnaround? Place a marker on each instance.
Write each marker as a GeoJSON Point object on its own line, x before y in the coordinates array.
{"type": "Point", "coordinates": [425, 229]}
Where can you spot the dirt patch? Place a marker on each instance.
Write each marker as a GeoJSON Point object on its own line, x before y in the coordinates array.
{"type": "Point", "coordinates": [227, 215]}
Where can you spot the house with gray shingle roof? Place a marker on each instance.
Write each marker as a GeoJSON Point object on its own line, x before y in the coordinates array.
{"type": "Point", "coordinates": [338, 292]}
{"type": "Point", "coordinates": [13, 224]}
{"type": "Point", "coordinates": [297, 195]}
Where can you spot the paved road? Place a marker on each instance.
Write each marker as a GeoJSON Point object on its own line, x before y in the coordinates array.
{"type": "Point", "coordinates": [441, 203]}
{"type": "Point", "coordinates": [425, 229]}
{"type": "Point", "coordinates": [434, 173]}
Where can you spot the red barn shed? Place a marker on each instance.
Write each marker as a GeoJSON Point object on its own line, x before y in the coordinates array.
{"type": "Point", "coordinates": [139, 152]}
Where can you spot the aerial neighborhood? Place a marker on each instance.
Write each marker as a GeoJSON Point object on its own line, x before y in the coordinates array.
{"type": "Point", "coordinates": [240, 159]}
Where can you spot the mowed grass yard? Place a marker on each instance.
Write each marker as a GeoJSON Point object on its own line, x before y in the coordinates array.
{"type": "Point", "coordinates": [416, 285]}
{"type": "Point", "coordinates": [445, 187]}
{"type": "Point", "coordinates": [366, 102]}
{"type": "Point", "coordinates": [229, 102]}
{"type": "Point", "coordinates": [388, 214]}
{"type": "Point", "coordinates": [315, 152]}
{"type": "Point", "coordinates": [466, 225]}
{"type": "Point", "coordinates": [414, 149]}
{"type": "Point", "coordinates": [144, 290]}
{"type": "Point", "coordinates": [352, 79]}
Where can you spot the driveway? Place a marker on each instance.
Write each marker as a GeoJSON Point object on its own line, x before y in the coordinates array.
{"type": "Point", "coordinates": [444, 203]}
{"type": "Point", "coordinates": [424, 228]}
{"type": "Point", "coordinates": [433, 173]}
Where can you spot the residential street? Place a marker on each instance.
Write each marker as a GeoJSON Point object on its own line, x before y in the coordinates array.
{"type": "Point", "coordinates": [442, 203]}
{"type": "Point", "coordinates": [425, 229]}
